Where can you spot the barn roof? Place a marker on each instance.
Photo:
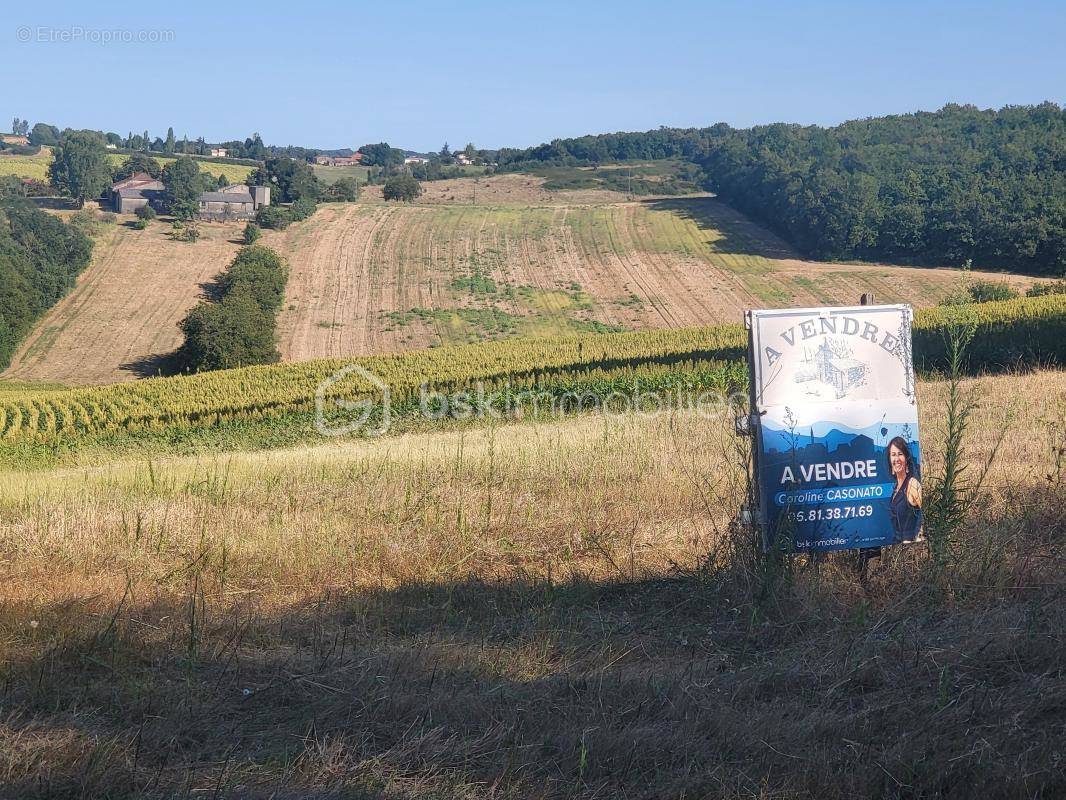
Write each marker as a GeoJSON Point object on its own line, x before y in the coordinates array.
{"type": "Point", "coordinates": [137, 179]}
{"type": "Point", "coordinates": [138, 191]}
{"type": "Point", "coordinates": [225, 197]}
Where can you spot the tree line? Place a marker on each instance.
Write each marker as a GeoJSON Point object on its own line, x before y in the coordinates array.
{"type": "Point", "coordinates": [40, 258]}
{"type": "Point", "coordinates": [237, 327]}
{"type": "Point", "coordinates": [961, 185]}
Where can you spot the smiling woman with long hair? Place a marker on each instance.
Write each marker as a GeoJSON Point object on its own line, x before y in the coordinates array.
{"type": "Point", "coordinates": [905, 508]}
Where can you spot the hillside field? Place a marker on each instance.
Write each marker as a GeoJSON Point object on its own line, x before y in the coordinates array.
{"type": "Point", "coordinates": [527, 611]}
{"type": "Point", "coordinates": [123, 312]}
{"type": "Point", "coordinates": [330, 175]}
{"type": "Point", "coordinates": [527, 261]}
{"type": "Point", "coordinates": [371, 277]}
{"type": "Point", "coordinates": [37, 166]}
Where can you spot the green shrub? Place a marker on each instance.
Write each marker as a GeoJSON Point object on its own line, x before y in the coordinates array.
{"type": "Point", "coordinates": [145, 213]}
{"type": "Point", "coordinates": [344, 190]}
{"type": "Point", "coordinates": [238, 329]}
{"type": "Point", "coordinates": [252, 232]}
{"type": "Point", "coordinates": [302, 209]}
{"type": "Point", "coordinates": [139, 224]}
{"type": "Point", "coordinates": [235, 332]}
{"type": "Point", "coordinates": [273, 218]}
{"type": "Point", "coordinates": [87, 222]}
{"type": "Point", "coordinates": [991, 291]}
{"type": "Point", "coordinates": [1044, 289]}
{"type": "Point", "coordinates": [402, 187]}
{"type": "Point", "coordinates": [189, 232]}
{"type": "Point", "coordinates": [259, 271]}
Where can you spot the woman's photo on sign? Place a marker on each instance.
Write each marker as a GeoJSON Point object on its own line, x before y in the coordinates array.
{"type": "Point", "coordinates": [905, 507]}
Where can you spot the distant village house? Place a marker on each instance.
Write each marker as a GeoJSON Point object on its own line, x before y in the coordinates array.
{"type": "Point", "coordinates": [416, 160]}
{"type": "Point", "coordinates": [340, 161]}
{"type": "Point", "coordinates": [219, 152]}
{"type": "Point", "coordinates": [13, 139]}
{"type": "Point", "coordinates": [238, 201]}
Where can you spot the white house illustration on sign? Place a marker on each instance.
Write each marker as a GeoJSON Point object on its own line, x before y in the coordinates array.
{"type": "Point", "coordinates": [833, 367]}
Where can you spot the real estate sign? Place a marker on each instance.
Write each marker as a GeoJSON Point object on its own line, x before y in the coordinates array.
{"type": "Point", "coordinates": [837, 454]}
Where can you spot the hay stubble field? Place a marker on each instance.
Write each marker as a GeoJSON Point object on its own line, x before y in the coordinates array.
{"type": "Point", "coordinates": [522, 260]}
{"type": "Point", "coordinates": [122, 315]}
{"type": "Point", "coordinates": [372, 277]}
{"type": "Point", "coordinates": [533, 610]}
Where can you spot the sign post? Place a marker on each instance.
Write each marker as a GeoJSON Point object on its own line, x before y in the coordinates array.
{"type": "Point", "coordinates": [835, 419]}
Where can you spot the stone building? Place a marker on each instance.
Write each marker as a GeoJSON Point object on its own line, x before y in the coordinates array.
{"type": "Point", "coordinates": [139, 189]}
{"type": "Point", "coordinates": [238, 201]}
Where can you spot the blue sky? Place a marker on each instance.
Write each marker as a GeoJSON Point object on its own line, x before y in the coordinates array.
{"type": "Point", "coordinates": [328, 75]}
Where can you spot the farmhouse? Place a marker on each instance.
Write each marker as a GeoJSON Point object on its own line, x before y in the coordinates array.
{"type": "Point", "coordinates": [14, 139]}
{"type": "Point", "coordinates": [340, 161]}
{"type": "Point", "coordinates": [238, 201]}
{"type": "Point", "coordinates": [219, 152]}
{"type": "Point", "coordinates": [139, 189]}
{"type": "Point", "coordinates": [416, 160]}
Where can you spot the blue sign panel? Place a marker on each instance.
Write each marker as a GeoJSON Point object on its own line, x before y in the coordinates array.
{"type": "Point", "coordinates": [833, 490]}
{"type": "Point", "coordinates": [838, 456]}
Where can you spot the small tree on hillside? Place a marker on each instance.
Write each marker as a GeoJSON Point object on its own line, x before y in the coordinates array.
{"type": "Point", "coordinates": [146, 213]}
{"type": "Point", "coordinates": [79, 166]}
{"type": "Point", "coordinates": [138, 162]}
{"type": "Point", "coordinates": [184, 185]}
{"type": "Point", "coordinates": [252, 232]}
{"type": "Point", "coordinates": [402, 187]}
{"type": "Point", "coordinates": [346, 190]}
{"type": "Point", "coordinates": [44, 134]}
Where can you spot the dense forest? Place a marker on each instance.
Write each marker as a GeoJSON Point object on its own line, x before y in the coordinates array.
{"type": "Point", "coordinates": [40, 257]}
{"type": "Point", "coordinates": [958, 186]}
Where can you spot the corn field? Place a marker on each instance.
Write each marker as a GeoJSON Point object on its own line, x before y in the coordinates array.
{"type": "Point", "coordinates": [1027, 331]}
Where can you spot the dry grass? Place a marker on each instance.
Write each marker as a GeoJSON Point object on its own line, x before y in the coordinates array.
{"type": "Point", "coordinates": [551, 610]}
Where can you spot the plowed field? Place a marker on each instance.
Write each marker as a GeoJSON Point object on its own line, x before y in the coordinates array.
{"type": "Point", "coordinates": [122, 316]}
{"type": "Point", "coordinates": [522, 261]}
{"type": "Point", "coordinates": [372, 277]}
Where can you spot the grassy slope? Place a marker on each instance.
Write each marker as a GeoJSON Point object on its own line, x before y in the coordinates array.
{"type": "Point", "coordinates": [330, 175]}
{"type": "Point", "coordinates": [37, 166]}
{"type": "Point", "coordinates": [530, 611]}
